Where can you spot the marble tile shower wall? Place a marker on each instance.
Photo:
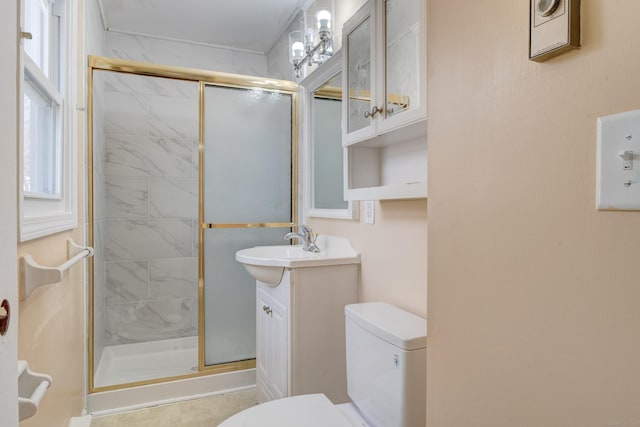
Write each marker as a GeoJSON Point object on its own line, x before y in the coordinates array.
{"type": "Point", "coordinates": [149, 222]}
{"type": "Point", "coordinates": [146, 191]}
{"type": "Point", "coordinates": [147, 227]}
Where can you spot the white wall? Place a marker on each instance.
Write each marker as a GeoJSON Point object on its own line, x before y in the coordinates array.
{"type": "Point", "coordinates": [343, 11]}
{"type": "Point", "coordinates": [8, 191]}
{"type": "Point", "coordinates": [182, 54]}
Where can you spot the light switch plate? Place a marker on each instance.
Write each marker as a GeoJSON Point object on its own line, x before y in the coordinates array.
{"type": "Point", "coordinates": [618, 162]}
{"type": "Point", "coordinates": [369, 212]}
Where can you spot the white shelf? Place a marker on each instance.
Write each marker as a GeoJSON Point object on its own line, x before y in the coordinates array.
{"type": "Point", "coordinates": [401, 133]}
{"type": "Point", "coordinates": [416, 190]}
{"type": "Point", "coordinates": [390, 166]}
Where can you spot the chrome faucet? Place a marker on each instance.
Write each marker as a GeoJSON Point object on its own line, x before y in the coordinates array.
{"type": "Point", "coordinates": [306, 236]}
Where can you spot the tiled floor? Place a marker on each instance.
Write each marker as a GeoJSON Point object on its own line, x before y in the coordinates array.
{"type": "Point", "coordinates": [205, 412]}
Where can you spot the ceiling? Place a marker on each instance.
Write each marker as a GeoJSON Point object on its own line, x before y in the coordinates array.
{"type": "Point", "coordinates": [251, 25]}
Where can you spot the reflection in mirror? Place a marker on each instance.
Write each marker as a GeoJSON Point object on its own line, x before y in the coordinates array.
{"type": "Point", "coordinates": [326, 141]}
{"type": "Point", "coordinates": [323, 170]}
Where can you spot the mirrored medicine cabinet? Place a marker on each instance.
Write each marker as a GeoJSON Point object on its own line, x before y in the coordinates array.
{"type": "Point", "coordinates": [323, 152]}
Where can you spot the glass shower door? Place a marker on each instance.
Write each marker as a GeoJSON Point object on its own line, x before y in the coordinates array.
{"type": "Point", "coordinates": [247, 201]}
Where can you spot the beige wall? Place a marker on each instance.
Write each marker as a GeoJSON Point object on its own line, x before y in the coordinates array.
{"type": "Point", "coordinates": [52, 320]}
{"type": "Point", "coordinates": [393, 252]}
{"type": "Point", "coordinates": [534, 295]}
{"type": "Point", "coordinates": [51, 332]}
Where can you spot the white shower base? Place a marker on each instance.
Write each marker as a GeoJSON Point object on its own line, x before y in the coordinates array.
{"type": "Point", "coordinates": [129, 363]}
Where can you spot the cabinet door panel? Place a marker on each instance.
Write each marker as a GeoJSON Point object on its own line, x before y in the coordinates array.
{"type": "Point", "coordinates": [263, 359]}
{"type": "Point", "coordinates": [402, 63]}
{"type": "Point", "coordinates": [272, 360]}
{"type": "Point", "coordinates": [279, 320]}
{"type": "Point", "coordinates": [359, 76]}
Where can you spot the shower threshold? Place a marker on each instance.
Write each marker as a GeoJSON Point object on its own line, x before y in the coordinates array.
{"type": "Point", "coordinates": [139, 362]}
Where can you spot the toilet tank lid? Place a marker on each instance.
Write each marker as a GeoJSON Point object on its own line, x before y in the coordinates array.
{"type": "Point", "coordinates": [392, 324]}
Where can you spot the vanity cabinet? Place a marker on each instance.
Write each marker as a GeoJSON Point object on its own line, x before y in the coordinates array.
{"type": "Point", "coordinates": [272, 343]}
{"type": "Point", "coordinates": [300, 332]}
{"type": "Point", "coordinates": [384, 101]}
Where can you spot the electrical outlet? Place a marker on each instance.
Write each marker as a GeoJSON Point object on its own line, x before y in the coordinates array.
{"type": "Point", "coordinates": [369, 212]}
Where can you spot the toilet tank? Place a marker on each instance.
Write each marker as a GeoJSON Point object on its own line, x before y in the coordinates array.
{"type": "Point", "coordinates": [387, 364]}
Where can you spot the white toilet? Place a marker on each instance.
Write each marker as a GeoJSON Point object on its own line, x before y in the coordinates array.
{"type": "Point", "coordinates": [386, 378]}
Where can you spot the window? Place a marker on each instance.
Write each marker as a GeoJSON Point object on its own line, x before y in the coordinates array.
{"type": "Point", "coordinates": [42, 126]}
{"type": "Point", "coordinates": [48, 173]}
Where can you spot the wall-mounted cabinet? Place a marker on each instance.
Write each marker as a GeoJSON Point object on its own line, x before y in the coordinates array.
{"type": "Point", "coordinates": [384, 101]}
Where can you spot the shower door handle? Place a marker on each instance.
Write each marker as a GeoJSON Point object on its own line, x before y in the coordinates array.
{"type": "Point", "coordinates": [266, 309]}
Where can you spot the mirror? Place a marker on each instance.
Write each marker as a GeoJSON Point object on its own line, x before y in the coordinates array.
{"type": "Point", "coordinates": [326, 142]}
{"type": "Point", "coordinates": [322, 140]}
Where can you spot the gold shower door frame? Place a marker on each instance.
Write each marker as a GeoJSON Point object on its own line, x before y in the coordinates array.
{"type": "Point", "coordinates": [203, 78]}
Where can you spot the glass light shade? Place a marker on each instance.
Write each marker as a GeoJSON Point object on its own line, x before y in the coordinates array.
{"type": "Point", "coordinates": [309, 37]}
{"type": "Point", "coordinates": [297, 50]}
{"type": "Point", "coordinates": [296, 46]}
{"type": "Point", "coordinates": [324, 20]}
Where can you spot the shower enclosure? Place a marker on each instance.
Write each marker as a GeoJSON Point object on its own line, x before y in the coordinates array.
{"type": "Point", "coordinates": [185, 167]}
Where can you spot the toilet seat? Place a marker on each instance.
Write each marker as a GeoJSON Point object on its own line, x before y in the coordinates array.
{"type": "Point", "coordinates": [309, 410]}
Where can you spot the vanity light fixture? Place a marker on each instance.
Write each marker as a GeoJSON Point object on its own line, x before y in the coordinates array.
{"type": "Point", "coordinates": [305, 50]}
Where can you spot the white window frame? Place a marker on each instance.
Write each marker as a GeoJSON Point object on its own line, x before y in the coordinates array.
{"type": "Point", "coordinates": [42, 215]}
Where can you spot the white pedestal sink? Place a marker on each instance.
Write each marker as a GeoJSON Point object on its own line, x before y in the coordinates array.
{"type": "Point", "coordinates": [267, 263]}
